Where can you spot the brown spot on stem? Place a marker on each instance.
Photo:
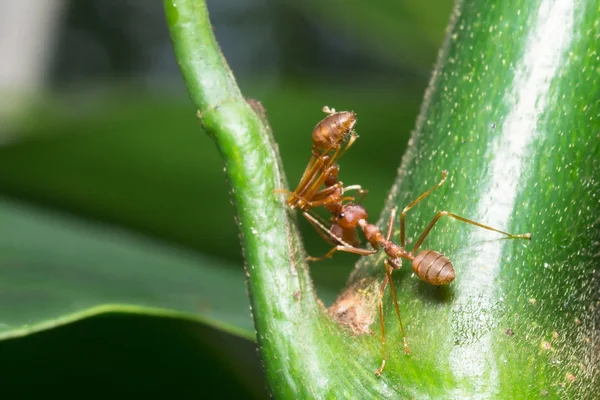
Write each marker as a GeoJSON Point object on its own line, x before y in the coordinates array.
{"type": "Point", "coordinates": [356, 307]}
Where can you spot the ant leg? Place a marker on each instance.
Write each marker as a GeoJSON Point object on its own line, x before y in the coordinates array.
{"type": "Point", "coordinates": [325, 194]}
{"type": "Point", "coordinates": [382, 325]}
{"type": "Point", "coordinates": [386, 280]}
{"type": "Point", "coordinates": [321, 198]}
{"type": "Point", "coordinates": [348, 249]}
{"type": "Point", "coordinates": [350, 142]}
{"type": "Point", "coordinates": [388, 271]}
{"type": "Point", "coordinates": [319, 164]}
{"type": "Point", "coordinates": [311, 162]}
{"type": "Point", "coordinates": [468, 221]}
{"type": "Point", "coordinates": [310, 167]}
{"type": "Point", "coordinates": [328, 255]}
{"type": "Point", "coordinates": [391, 223]}
{"type": "Point", "coordinates": [338, 150]}
{"type": "Point", "coordinates": [317, 171]}
{"type": "Point", "coordinates": [361, 192]}
{"type": "Point", "coordinates": [283, 191]}
{"type": "Point", "coordinates": [411, 205]}
{"type": "Point", "coordinates": [311, 188]}
{"type": "Point", "coordinates": [309, 175]}
{"type": "Point", "coordinates": [321, 169]}
{"type": "Point", "coordinates": [330, 237]}
{"type": "Point", "coordinates": [327, 201]}
{"type": "Point", "coordinates": [320, 228]}
{"type": "Point", "coordinates": [358, 188]}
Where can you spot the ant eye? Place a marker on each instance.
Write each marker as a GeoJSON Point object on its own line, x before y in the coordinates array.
{"type": "Point", "coordinates": [341, 216]}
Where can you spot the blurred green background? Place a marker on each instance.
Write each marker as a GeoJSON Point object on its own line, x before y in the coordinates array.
{"type": "Point", "coordinates": [104, 170]}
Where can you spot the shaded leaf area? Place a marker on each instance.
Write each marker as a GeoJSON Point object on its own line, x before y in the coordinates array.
{"type": "Point", "coordinates": [404, 33]}
{"type": "Point", "coordinates": [113, 354]}
{"type": "Point", "coordinates": [56, 269]}
{"type": "Point", "coordinates": [519, 135]}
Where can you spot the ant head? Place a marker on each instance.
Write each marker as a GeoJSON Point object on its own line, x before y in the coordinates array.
{"type": "Point", "coordinates": [350, 216]}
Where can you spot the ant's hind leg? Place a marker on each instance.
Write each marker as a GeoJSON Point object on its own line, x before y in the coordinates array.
{"type": "Point", "coordinates": [411, 205]}
{"type": "Point", "coordinates": [468, 221]}
{"type": "Point", "coordinates": [389, 267]}
{"type": "Point", "coordinates": [382, 325]}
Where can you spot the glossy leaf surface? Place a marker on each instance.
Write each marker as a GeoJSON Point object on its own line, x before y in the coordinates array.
{"type": "Point", "coordinates": [56, 270]}
{"type": "Point", "coordinates": [512, 114]}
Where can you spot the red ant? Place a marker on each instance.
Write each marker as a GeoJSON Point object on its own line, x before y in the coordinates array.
{"type": "Point", "coordinates": [329, 137]}
{"type": "Point", "coordinates": [429, 265]}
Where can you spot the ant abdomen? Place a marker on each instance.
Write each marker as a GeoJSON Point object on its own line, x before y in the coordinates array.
{"type": "Point", "coordinates": [433, 268]}
{"type": "Point", "coordinates": [332, 129]}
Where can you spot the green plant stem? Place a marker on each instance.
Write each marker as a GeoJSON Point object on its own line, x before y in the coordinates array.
{"type": "Point", "coordinates": [292, 329]}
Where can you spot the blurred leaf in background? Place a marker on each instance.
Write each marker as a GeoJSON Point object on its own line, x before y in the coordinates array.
{"type": "Point", "coordinates": [111, 140]}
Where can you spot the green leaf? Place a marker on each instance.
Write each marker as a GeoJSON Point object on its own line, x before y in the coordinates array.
{"type": "Point", "coordinates": [55, 270]}
{"type": "Point", "coordinates": [512, 114]}
{"type": "Point", "coordinates": [126, 160]}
